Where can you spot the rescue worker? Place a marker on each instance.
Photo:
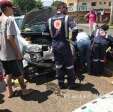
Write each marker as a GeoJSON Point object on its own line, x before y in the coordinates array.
{"type": "Point", "coordinates": [10, 52]}
{"type": "Point", "coordinates": [58, 26]}
{"type": "Point", "coordinates": [83, 44]}
{"type": "Point", "coordinates": [98, 49]}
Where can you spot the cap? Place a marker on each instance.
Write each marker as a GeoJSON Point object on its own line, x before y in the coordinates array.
{"type": "Point", "coordinates": [6, 3]}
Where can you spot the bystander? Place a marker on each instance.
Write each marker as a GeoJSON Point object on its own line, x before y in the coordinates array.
{"type": "Point", "coordinates": [10, 54]}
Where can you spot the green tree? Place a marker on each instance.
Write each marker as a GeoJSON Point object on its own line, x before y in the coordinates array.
{"type": "Point", "coordinates": [55, 3]}
{"type": "Point", "coordinates": [27, 5]}
{"type": "Point", "coordinates": [39, 4]}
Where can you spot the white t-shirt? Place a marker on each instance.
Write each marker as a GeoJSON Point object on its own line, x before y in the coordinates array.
{"type": "Point", "coordinates": [22, 42]}
{"type": "Point", "coordinates": [7, 29]}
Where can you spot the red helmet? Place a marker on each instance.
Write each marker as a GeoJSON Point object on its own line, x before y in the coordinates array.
{"type": "Point", "coordinates": [6, 3]}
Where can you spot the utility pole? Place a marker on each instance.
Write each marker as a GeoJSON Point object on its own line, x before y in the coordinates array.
{"type": "Point", "coordinates": [53, 1]}
{"type": "Point", "coordinates": [111, 13]}
{"type": "Point", "coordinates": [77, 9]}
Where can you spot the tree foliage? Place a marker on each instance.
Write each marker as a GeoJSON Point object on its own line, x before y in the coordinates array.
{"type": "Point", "coordinates": [39, 4]}
{"type": "Point", "coordinates": [27, 5]}
{"type": "Point", "coordinates": [55, 3]}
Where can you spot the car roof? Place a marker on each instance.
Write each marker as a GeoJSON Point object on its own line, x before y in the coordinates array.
{"type": "Point", "coordinates": [101, 104]}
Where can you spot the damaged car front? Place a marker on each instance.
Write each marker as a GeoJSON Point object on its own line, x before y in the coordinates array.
{"type": "Point", "coordinates": [38, 57]}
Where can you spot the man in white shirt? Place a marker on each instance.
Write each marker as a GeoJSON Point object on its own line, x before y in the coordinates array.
{"type": "Point", "coordinates": [10, 53]}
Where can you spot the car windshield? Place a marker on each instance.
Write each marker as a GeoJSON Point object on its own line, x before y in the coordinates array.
{"type": "Point", "coordinates": [35, 21]}
{"type": "Point", "coordinates": [19, 20]}
{"type": "Point", "coordinates": [37, 27]}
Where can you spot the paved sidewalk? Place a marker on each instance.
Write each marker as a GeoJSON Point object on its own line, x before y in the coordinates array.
{"type": "Point", "coordinates": [46, 97]}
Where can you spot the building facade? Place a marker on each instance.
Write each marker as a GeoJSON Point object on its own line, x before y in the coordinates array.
{"type": "Point", "coordinates": [86, 5]}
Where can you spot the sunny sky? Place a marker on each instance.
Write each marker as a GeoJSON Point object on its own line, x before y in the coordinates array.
{"type": "Point", "coordinates": [48, 2]}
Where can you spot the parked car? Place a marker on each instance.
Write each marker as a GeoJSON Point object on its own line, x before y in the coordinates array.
{"type": "Point", "coordinates": [38, 54]}
{"type": "Point", "coordinates": [34, 24]}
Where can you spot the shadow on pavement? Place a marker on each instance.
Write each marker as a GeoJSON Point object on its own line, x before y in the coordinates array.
{"type": "Point", "coordinates": [86, 87]}
{"type": "Point", "coordinates": [37, 96]}
{"type": "Point", "coordinates": [107, 75]}
{"type": "Point", "coordinates": [42, 78]}
{"type": "Point", "coordinates": [103, 75]}
{"type": "Point", "coordinates": [5, 110]}
{"type": "Point", "coordinates": [1, 99]}
{"type": "Point", "coordinates": [78, 87]}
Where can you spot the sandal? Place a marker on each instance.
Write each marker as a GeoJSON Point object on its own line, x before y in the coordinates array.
{"type": "Point", "coordinates": [14, 94]}
{"type": "Point", "coordinates": [11, 95]}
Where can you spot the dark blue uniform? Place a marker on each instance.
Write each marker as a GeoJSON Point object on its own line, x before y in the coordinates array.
{"type": "Point", "coordinates": [98, 52]}
{"type": "Point", "coordinates": [59, 29]}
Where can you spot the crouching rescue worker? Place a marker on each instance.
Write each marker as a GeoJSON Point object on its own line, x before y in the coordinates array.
{"type": "Point", "coordinates": [58, 26]}
{"type": "Point", "coordinates": [98, 50]}
{"type": "Point", "coordinates": [83, 44]}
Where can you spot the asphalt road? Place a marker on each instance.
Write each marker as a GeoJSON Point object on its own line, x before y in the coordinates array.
{"type": "Point", "coordinates": [47, 97]}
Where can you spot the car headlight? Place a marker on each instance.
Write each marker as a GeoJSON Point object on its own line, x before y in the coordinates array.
{"type": "Point", "coordinates": [27, 29]}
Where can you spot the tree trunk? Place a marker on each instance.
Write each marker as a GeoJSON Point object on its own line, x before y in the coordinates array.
{"type": "Point", "coordinates": [111, 13]}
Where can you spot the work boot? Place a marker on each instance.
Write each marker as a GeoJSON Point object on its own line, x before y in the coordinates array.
{"type": "Point", "coordinates": [61, 85]}
{"type": "Point", "coordinates": [71, 86]}
{"type": "Point", "coordinates": [71, 78]}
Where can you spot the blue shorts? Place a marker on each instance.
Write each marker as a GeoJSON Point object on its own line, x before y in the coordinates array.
{"type": "Point", "coordinates": [14, 67]}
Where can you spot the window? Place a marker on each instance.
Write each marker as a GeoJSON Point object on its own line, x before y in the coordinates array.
{"type": "Point", "coordinates": [100, 3]}
{"type": "Point", "coordinates": [93, 4]}
{"type": "Point", "coordinates": [109, 3]}
{"type": "Point", "coordinates": [71, 4]}
{"type": "Point", "coordinates": [84, 3]}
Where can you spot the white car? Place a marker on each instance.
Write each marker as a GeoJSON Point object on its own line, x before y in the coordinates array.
{"type": "Point", "coordinates": [101, 104]}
